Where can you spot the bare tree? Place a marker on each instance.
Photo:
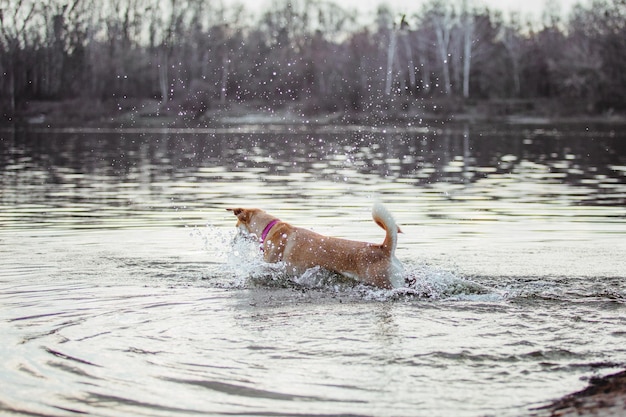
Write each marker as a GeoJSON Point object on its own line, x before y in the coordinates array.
{"type": "Point", "coordinates": [400, 31]}
{"type": "Point", "coordinates": [424, 59]}
{"type": "Point", "coordinates": [391, 53]}
{"type": "Point", "coordinates": [15, 18]}
{"type": "Point", "coordinates": [468, 34]}
{"type": "Point", "coordinates": [511, 38]}
{"type": "Point", "coordinates": [443, 20]}
{"type": "Point", "coordinates": [406, 41]}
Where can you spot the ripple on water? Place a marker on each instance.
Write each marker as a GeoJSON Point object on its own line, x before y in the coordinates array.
{"type": "Point", "coordinates": [513, 248]}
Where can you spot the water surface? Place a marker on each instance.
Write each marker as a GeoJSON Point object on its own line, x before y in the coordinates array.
{"type": "Point", "coordinates": [122, 291]}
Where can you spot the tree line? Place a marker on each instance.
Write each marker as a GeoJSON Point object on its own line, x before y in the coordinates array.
{"type": "Point", "coordinates": [195, 55]}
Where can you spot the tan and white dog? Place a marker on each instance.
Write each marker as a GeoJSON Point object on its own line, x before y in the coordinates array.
{"type": "Point", "coordinates": [301, 249]}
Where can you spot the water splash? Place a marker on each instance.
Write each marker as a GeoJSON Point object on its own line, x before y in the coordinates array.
{"type": "Point", "coordinates": [242, 266]}
{"type": "Point", "coordinates": [427, 281]}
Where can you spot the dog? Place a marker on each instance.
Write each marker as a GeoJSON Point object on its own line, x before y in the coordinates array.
{"type": "Point", "coordinates": [301, 249]}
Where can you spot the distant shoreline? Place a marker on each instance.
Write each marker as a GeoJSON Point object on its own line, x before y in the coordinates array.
{"type": "Point", "coordinates": [152, 113]}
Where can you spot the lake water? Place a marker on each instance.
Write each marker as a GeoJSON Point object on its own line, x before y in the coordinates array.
{"type": "Point", "coordinates": [122, 291]}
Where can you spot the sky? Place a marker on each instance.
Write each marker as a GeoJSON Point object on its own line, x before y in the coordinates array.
{"type": "Point", "coordinates": [532, 8]}
{"type": "Point", "coordinates": [524, 6]}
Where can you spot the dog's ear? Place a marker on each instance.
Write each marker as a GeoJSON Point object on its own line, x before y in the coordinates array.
{"type": "Point", "coordinates": [243, 215]}
{"type": "Point", "coordinates": [236, 211]}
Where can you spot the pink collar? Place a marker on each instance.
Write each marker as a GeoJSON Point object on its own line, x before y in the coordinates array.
{"type": "Point", "coordinates": [267, 229]}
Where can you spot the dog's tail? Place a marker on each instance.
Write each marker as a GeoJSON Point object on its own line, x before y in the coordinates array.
{"type": "Point", "coordinates": [384, 219]}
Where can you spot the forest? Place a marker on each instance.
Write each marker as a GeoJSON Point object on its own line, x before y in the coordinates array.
{"type": "Point", "coordinates": [191, 56]}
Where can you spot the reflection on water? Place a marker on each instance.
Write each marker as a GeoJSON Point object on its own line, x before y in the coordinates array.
{"type": "Point", "coordinates": [118, 178]}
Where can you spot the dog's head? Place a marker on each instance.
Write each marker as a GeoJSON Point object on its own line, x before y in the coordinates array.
{"type": "Point", "coordinates": [243, 216]}
{"type": "Point", "coordinates": [251, 220]}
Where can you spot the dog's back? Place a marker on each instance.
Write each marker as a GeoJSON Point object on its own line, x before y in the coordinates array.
{"type": "Point", "coordinates": [374, 264]}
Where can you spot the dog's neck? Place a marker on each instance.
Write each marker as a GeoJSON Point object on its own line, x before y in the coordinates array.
{"type": "Point", "coordinates": [267, 229]}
